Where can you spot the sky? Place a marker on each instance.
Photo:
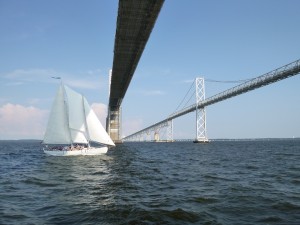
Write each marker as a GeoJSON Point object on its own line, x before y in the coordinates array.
{"type": "Point", "coordinates": [218, 40]}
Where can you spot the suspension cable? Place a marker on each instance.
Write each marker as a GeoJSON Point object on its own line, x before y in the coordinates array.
{"type": "Point", "coordinates": [206, 80]}
{"type": "Point", "coordinates": [185, 96]}
{"type": "Point", "coordinates": [192, 95]}
{"type": "Point", "coordinates": [227, 81]}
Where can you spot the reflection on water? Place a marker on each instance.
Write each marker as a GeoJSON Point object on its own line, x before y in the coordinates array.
{"type": "Point", "coordinates": [228, 182]}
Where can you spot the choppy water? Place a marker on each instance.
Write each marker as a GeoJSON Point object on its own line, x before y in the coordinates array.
{"type": "Point", "coordinates": [224, 182]}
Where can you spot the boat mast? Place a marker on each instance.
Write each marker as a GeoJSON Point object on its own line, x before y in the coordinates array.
{"type": "Point", "coordinates": [85, 122]}
{"type": "Point", "coordinates": [67, 112]}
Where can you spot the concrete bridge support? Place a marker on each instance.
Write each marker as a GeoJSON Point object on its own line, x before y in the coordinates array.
{"type": "Point", "coordinates": [114, 125]}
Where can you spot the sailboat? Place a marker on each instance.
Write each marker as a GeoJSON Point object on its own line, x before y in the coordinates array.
{"type": "Point", "coordinates": [73, 127]}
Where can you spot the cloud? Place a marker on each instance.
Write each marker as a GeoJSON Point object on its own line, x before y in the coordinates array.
{"type": "Point", "coordinates": [101, 111]}
{"type": "Point", "coordinates": [91, 79]}
{"type": "Point", "coordinates": [14, 84]}
{"type": "Point", "coordinates": [3, 100]}
{"type": "Point", "coordinates": [31, 75]}
{"type": "Point", "coordinates": [131, 126]}
{"type": "Point", "coordinates": [128, 126]}
{"type": "Point", "coordinates": [21, 122]}
{"type": "Point", "coordinates": [153, 92]}
{"type": "Point", "coordinates": [166, 72]}
{"type": "Point", "coordinates": [188, 81]}
{"type": "Point", "coordinates": [83, 83]}
{"type": "Point", "coordinates": [34, 101]}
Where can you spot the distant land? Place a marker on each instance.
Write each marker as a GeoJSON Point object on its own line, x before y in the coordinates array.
{"type": "Point", "coordinates": [243, 139]}
{"type": "Point", "coordinates": [23, 140]}
{"type": "Point", "coordinates": [186, 140]}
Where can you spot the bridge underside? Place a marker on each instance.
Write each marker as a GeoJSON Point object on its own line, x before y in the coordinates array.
{"type": "Point", "coordinates": [135, 22]}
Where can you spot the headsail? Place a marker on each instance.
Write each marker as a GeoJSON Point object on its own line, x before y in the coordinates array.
{"type": "Point", "coordinates": [95, 128]}
{"type": "Point", "coordinates": [57, 131]}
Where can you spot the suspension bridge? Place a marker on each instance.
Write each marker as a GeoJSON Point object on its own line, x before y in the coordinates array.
{"type": "Point", "coordinates": [135, 22]}
{"type": "Point", "coordinates": [278, 74]}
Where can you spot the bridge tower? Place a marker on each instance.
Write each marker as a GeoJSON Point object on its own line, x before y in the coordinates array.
{"type": "Point", "coordinates": [170, 131]}
{"type": "Point", "coordinates": [200, 112]}
{"type": "Point", "coordinates": [113, 120]}
{"type": "Point", "coordinates": [113, 124]}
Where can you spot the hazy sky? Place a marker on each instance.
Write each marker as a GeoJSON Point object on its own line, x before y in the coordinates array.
{"type": "Point", "coordinates": [220, 40]}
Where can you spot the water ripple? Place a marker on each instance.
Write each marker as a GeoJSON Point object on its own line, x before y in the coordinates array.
{"type": "Point", "coordinates": [229, 182]}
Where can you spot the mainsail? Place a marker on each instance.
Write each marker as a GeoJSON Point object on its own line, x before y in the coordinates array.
{"type": "Point", "coordinates": [57, 131]}
{"type": "Point", "coordinates": [72, 120]}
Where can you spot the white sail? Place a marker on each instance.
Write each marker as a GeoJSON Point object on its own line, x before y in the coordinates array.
{"type": "Point", "coordinates": [73, 121]}
{"type": "Point", "coordinates": [75, 112]}
{"type": "Point", "coordinates": [57, 131]}
{"type": "Point", "coordinates": [96, 131]}
{"type": "Point", "coordinates": [78, 137]}
{"type": "Point", "coordinates": [76, 116]}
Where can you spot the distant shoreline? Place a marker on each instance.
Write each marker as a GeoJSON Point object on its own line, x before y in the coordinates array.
{"type": "Point", "coordinates": [242, 139]}
{"type": "Point", "coordinates": [182, 140]}
{"type": "Point", "coordinates": [24, 140]}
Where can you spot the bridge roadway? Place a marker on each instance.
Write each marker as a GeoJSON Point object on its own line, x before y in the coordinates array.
{"type": "Point", "coordinates": [135, 22]}
{"type": "Point", "coordinates": [281, 73]}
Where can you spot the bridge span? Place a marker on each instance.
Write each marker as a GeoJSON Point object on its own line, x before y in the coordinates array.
{"type": "Point", "coordinates": [278, 74]}
{"type": "Point", "coordinates": [135, 22]}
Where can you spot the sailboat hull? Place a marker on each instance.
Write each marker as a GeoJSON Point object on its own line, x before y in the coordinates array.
{"type": "Point", "coordinates": [85, 151]}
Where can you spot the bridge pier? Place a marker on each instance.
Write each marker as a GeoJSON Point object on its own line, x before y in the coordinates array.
{"type": "Point", "coordinates": [162, 132]}
{"type": "Point", "coordinates": [201, 136]}
{"type": "Point", "coordinates": [114, 125]}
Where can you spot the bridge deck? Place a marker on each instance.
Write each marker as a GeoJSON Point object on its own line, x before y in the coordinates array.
{"type": "Point", "coordinates": [135, 22]}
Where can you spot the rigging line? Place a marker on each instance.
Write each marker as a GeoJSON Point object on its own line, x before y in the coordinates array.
{"type": "Point", "coordinates": [193, 95]}
{"type": "Point", "coordinates": [227, 81]}
{"type": "Point", "coordinates": [184, 96]}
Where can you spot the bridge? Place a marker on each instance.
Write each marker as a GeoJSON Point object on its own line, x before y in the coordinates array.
{"type": "Point", "coordinates": [278, 74]}
{"type": "Point", "coordinates": [135, 22]}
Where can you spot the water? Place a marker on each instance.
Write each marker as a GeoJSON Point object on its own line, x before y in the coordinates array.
{"type": "Point", "coordinates": [224, 182]}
